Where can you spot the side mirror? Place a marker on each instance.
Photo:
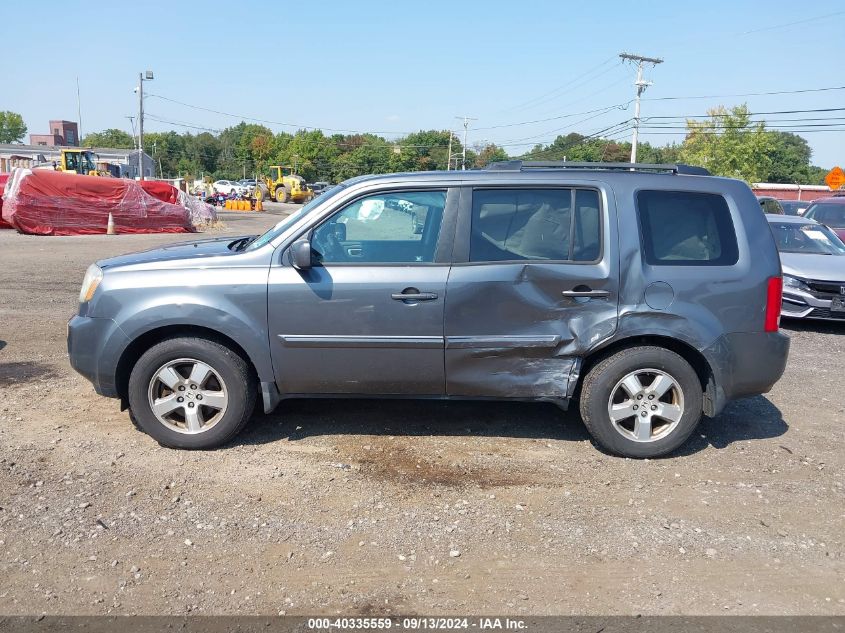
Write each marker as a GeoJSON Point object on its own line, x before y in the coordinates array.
{"type": "Point", "coordinates": [300, 254]}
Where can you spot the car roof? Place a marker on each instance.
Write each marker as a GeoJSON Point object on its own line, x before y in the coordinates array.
{"type": "Point", "coordinates": [788, 219]}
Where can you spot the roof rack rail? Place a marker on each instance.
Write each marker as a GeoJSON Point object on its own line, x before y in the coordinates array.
{"type": "Point", "coordinates": [674, 168]}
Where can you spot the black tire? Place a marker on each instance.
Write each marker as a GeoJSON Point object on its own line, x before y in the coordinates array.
{"type": "Point", "coordinates": [240, 386]}
{"type": "Point", "coordinates": [601, 381]}
{"type": "Point", "coordinates": [281, 194]}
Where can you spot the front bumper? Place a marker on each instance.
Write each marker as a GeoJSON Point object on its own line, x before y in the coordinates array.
{"type": "Point", "coordinates": [800, 304]}
{"type": "Point", "coordinates": [94, 347]}
{"type": "Point", "coordinates": [745, 364]}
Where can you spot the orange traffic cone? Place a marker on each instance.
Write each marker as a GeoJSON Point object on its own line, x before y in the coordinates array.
{"type": "Point", "coordinates": [110, 226]}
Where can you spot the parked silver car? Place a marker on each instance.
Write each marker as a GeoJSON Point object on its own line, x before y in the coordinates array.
{"type": "Point", "coordinates": [813, 260]}
{"type": "Point", "coordinates": [649, 295]}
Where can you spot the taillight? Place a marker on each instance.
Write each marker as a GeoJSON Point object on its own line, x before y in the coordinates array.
{"type": "Point", "coordinates": [774, 292]}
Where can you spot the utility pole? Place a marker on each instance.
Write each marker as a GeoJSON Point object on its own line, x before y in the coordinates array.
{"type": "Point", "coordinates": [464, 153]}
{"type": "Point", "coordinates": [641, 85]}
{"type": "Point", "coordinates": [142, 77]}
{"type": "Point", "coordinates": [78, 113]}
{"type": "Point", "coordinates": [449, 154]}
{"type": "Point", "coordinates": [134, 135]}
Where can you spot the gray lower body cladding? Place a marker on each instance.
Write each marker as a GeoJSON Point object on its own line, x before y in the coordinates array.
{"type": "Point", "coordinates": [745, 364]}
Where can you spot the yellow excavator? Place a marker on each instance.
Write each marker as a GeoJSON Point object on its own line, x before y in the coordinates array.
{"type": "Point", "coordinates": [283, 185]}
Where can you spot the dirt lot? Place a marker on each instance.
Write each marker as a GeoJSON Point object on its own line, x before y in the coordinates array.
{"type": "Point", "coordinates": [401, 507]}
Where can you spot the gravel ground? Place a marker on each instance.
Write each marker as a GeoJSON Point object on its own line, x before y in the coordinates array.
{"type": "Point", "coordinates": [400, 507]}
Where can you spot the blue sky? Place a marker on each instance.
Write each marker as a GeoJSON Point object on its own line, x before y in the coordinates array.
{"type": "Point", "coordinates": [394, 67]}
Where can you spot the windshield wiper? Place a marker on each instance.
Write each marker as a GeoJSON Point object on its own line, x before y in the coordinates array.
{"type": "Point", "coordinates": [242, 243]}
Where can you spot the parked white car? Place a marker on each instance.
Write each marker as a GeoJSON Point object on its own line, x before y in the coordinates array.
{"type": "Point", "coordinates": [229, 187]}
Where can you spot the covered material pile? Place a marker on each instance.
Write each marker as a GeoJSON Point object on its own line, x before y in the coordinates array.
{"type": "Point", "coordinates": [4, 178]}
{"type": "Point", "coordinates": [46, 202]}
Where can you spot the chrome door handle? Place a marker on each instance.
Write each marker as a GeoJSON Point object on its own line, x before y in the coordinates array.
{"type": "Point", "coordinates": [586, 293]}
{"type": "Point", "coordinates": [414, 296]}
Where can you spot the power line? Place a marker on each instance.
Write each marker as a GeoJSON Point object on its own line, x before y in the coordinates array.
{"type": "Point", "coordinates": [707, 116]}
{"type": "Point", "coordinates": [572, 86]}
{"type": "Point", "coordinates": [749, 94]}
{"type": "Point", "coordinates": [620, 106]}
{"type": "Point", "coordinates": [794, 23]}
{"type": "Point", "coordinates": [268, 121]}
{"type": "Point", "coordinates": [561, 87]}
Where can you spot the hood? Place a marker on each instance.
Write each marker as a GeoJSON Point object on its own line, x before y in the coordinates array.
{"type": "Point", "coordinates": [213, 247]}
{"type": "Point", "coordinates": [819, 267]}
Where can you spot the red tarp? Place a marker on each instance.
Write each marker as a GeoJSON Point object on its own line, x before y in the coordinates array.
{"type": "Point", "coordinates": [3, 180]}
{"type": "Point", "coordinates": [161, 190]}
{"type": "Point", "coordinates": [47, 202]}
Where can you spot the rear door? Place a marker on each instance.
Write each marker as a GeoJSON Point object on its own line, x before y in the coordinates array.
{"type": "Point", "coordinates": [533, 287]}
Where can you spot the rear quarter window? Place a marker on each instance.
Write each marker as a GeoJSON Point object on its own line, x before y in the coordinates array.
{"type": "Point", "coordinates": [682, 228]}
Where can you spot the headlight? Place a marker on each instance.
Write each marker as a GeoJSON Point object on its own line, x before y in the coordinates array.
{"type": "Point", "coordinates": [794, 282]}
{"type": "Point", "coordinates": [92, 279]}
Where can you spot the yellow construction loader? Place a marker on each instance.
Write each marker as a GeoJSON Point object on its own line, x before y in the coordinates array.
{"type": "Point", "coordinates": [78, 161]}
{"type": "Point", "coordinates": [283, 185]}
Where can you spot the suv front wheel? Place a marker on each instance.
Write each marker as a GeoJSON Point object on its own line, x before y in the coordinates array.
{"type": "Point", "coordinates": [191, 393]}
{"type": "Point", "coordinates": [641, 402]}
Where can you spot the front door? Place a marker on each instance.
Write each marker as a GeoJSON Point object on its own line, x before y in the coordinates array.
{"type": "Point", "coordinates": [367, 318]}
{"type": "Point", "coordinates": [533, 286]}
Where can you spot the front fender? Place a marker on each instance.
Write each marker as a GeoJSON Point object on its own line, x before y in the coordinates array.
{"type": "Point", "coordinates": [251, 336]}
{"type": "Point", "coordinates": [231, 301]}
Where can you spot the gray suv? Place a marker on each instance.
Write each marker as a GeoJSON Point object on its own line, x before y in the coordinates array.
{"type": "Point", "coordinates": [648, 294]}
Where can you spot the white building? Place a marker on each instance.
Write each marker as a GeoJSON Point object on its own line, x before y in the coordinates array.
{"type": "Point", "coordinates": [126, 160]}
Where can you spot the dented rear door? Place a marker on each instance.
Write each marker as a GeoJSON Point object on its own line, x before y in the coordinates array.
{"type": "Point", "coordinates": [528, 296]}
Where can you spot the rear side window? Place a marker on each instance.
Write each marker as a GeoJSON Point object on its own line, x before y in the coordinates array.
{"type": "Point", "coordinates": [535, 224]}
{"type": "Point", "coordinates": [682, 228]}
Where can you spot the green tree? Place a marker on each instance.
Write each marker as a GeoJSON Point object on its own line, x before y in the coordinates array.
{"type": "Point", "coordinates": [729, 143]}
{"type": "Point", "coordinates": [112, 138]}
{"type": "Point", "coordinates": [489, 153]}
{"type": "Point", "coordinates": [426, 150]}
{"type": "Point", "coordinates": [790, 158]}
{"type": "Point", "coordinates": [12, 127]}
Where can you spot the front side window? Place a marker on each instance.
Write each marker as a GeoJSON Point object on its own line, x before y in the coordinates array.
{"type": "Point", "coordinates": [682, 228]}
{"type": "Point", "coordinates": [396, 227]}
{"type": "Point", "coordinates": [535, 224]}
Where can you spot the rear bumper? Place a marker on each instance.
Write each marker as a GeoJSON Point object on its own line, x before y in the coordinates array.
{"type": "Point", "coordinates": [94, 347]}
{"type": "Point", "coordinates": [745, 364]}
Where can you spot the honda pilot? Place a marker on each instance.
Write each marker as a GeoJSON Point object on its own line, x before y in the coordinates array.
{"type": "Point", "coordinates": [648, 295]}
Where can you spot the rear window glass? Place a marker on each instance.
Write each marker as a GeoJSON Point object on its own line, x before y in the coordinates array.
{"type": "Point", "coordinates": [681, 228]}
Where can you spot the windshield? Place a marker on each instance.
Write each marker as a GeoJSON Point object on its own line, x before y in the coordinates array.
{"type": "Point", "coordinates": [811, 239]}
{"type": "Point", "coordinates": [289, 221]}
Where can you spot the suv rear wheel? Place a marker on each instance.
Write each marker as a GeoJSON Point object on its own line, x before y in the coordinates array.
{"type": "Point", "coordinates": [191, 393]}
{"type": "Point", "coordinates": [641, 402]}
